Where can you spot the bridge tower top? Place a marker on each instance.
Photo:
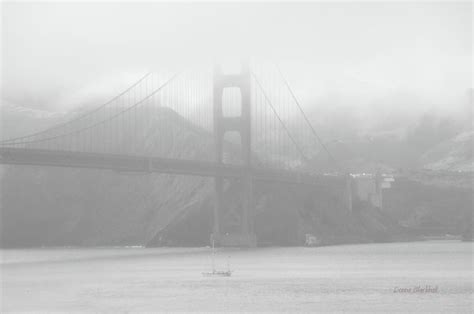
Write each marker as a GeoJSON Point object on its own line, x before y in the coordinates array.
{"type": "Point", "coordinates": [240, 123]}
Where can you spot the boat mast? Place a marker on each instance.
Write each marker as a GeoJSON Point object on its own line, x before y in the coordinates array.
{"type": "Point", "coordinates": [213, 252]}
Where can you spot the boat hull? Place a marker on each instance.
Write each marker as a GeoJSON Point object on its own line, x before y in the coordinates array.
{"type": "Point", "coordinates": [217, 274]}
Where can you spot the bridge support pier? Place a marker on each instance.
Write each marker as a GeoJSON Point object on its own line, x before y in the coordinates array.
{"type": "Point", "coordinates": [226, 233]}
{"type": "Point", "coordinates": [223, 234]}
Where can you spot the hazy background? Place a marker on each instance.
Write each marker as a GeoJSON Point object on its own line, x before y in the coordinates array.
{"type": "Point", "coordinates": [387, 86]}
{"type": "Point", "coordinates": [373, 56]}
{"type": "Point", "coordinates": [385, 83]}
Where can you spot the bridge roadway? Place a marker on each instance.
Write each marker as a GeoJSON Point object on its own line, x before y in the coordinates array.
{"type": "Point", "coordinates": [131, 163]}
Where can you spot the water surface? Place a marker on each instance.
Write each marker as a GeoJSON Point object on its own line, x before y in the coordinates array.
{"type": "Point", "coordinates": [355, 278]}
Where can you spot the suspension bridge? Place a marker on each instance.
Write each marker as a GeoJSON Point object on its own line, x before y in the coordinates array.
{"type": "Point", "coordinates": [245, 126]}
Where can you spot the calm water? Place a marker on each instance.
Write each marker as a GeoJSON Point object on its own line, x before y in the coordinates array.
{"type": "Point", "coordinates": [355, 278]}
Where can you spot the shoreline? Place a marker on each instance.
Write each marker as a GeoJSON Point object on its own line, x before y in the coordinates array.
{"type": "Point", "coordinates": [450, 238]}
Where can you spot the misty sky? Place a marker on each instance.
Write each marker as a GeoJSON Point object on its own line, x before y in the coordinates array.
{"type": "Point", "coordinates": [55, 56]}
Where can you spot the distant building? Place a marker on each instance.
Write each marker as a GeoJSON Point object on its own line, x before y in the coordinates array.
{"type": "Point", "coordinates": [368, 187]}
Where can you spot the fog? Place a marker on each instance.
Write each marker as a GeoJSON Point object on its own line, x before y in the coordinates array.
{"type": "Point", "coordinates": [374, 57]}
{"type": "Point", "coordinates": [124, 190]}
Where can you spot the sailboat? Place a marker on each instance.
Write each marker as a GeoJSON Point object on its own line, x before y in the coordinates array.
{"type": "Point", "coordinates": [215, 272]}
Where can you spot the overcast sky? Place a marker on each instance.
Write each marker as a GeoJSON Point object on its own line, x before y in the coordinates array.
{"type": "Point", "coordinates": [54, 54]}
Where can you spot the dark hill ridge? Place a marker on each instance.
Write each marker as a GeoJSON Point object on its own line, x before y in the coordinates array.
{"type": "Point", "coordinates": [61, 206]}
{"type": "Point", "coordinates": [432, 203]}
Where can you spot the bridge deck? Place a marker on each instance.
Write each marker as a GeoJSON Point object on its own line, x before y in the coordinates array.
{"type": "Point", "coordinates": [131, 163]}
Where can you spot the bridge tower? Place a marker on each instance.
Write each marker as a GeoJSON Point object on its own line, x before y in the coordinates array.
{"type": "Point", "coordinates": [223, 234]}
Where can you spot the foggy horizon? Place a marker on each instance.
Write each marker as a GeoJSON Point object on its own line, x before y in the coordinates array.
{"type": "Point", "coordinates": [373, 56]}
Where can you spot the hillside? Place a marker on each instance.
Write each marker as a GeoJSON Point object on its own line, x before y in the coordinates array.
{"type": "Point", "coordinates": [454, 154]}
{"type": "Point", "coordinates": [61, 206]}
